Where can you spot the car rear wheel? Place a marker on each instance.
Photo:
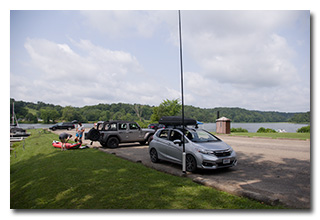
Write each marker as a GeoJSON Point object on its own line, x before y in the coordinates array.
{"type": "Point", "coordinates": [113, 142]}
{"type": "Point", "coordinates": [191, 163]}
{"type": "Point", "coordinates": [154, 155]}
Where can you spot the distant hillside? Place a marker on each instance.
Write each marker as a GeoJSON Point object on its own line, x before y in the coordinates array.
{"type": "Point", "coordinates": [239, 115]}
{"type": "Point", "coordinates": [49, 113]}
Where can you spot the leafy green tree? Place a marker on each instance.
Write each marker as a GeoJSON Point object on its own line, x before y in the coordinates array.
{"type": "Point", "coordinates": [31, 118]}
{"type": "Point", "coordinates": [54, 115]}
{"type": "Point", "coordinates": [92, 114]}
{"type": "Point", "coordinates": [45, 115]}
{"type": "Point", "coordinates": [117, 116]}
{"type": "Point", "coordinates": [70, 113]}
{"type": "Point", "coordinates": [138, 112]}
{"type": "Point", "coordinates": [166, 108]}
{"type": "Point", "coordinates": [266, 130]}
{"type": "Point", "coordinates": [300, 118]}
{"type": "Point", "coordinates": [155, 116]}
{"type": "Point", "coordinates": [128, 117]}
{"type": "Point", "coordinates": [48, 115]}
{"type": "Point", "coordinates": [305, 129]}
{"type": "Point", "coordinates": [105, 116]}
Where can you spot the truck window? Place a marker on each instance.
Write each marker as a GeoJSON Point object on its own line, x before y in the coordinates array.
{"type": "Point", "coordinates": [133, 126]}
{"type": "Point", "coordinates": [111, 127]}
{"type": "Point", "coordinates": [123, 126]}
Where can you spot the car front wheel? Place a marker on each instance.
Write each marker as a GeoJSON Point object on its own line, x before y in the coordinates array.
{"type": "Point", "coordinates": [154, 155]}
{"type": "Point", "coordinates": [191, 163]}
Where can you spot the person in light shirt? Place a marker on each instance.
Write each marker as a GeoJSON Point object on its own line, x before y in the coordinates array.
{"type": "Point", "coordinates": [79, 134]}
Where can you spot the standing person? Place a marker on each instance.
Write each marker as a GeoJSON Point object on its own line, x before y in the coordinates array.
{"type": "Point", "coordinates": [64, 137]}
{"type": "Point", "coordinates": [79, 134]}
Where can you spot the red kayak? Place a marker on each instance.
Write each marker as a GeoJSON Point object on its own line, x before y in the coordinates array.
{"type": "Point", "coordinates": [58, 144]}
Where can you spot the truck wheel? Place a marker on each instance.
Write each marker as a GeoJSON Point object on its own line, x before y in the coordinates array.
{"type": "Point", "coordinates": [113, 142]}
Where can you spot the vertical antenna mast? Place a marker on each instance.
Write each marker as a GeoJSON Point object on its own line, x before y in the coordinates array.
{"type": "Point", "coordinates": [12, 113]}
{"type": "Point", "coordinates": [181, 68]}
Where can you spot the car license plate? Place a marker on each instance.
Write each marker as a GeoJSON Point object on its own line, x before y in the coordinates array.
{"type": "Point", "coordinates": [226, 161]}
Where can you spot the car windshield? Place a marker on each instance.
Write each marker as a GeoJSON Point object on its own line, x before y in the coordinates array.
{"type": "Point", "coordinates": [200, 136]}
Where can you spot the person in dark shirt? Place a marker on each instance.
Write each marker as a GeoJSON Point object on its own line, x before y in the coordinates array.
{"type": "Point", "coordinates": [64, 137]}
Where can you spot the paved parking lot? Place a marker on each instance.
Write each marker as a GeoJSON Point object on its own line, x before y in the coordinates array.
{"type": "Point", "coordinates": [269, 170]}
{"type": "Point", "coordinates": [272, 171]}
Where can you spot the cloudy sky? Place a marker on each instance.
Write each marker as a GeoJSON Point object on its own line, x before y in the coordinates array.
{"type": "Point", "coordinates": [258, 60]}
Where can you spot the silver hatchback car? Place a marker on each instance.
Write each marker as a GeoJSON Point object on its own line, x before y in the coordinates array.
{"type": "Point", "coordinates": [203, 150]}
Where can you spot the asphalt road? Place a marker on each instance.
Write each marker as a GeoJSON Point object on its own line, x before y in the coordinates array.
{"type": "Point", "coordinates": [274, 171]}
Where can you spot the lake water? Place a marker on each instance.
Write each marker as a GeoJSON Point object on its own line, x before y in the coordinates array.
{"type": "Point", "coordinates": [251, 127]}
{"type": "Point", "coordinates": [35, 126]}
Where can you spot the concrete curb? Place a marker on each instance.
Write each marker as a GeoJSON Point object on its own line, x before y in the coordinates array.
{"type": "Point", "coordinates": [270, 200]}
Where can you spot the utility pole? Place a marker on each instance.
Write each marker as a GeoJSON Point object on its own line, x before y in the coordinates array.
{"type": "Point", "coordinates": [182, 97]}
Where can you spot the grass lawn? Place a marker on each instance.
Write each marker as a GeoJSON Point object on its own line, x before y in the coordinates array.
{"type": "Point", "coordinates": [43, 177]}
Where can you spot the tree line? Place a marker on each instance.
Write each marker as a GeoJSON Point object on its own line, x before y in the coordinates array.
{"type": "Point", "coordinates": [41, 112]}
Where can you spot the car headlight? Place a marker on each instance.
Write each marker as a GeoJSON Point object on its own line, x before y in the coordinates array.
{"type": "Point", "coordinates": [204, 151]}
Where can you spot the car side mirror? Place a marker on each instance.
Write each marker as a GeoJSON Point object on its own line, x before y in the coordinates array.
{"type": "Point", "coordinates": [177, 142]}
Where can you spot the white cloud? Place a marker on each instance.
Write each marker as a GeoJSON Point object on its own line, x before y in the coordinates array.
{"type": "Point", "coordinates": [232, 58]}
{"type": "Point", "coordinates": [122, 24]}
{"type": "Point", "coordinates": [208, 92]}
{"type": "Point", "coordinates": [59, 75]}
{"type": "Point", "coordinates": [245, 51]}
